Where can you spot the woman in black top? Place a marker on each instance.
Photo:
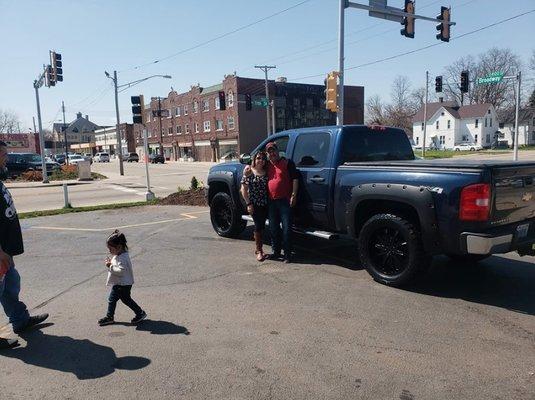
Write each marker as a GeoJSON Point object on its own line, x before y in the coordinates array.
{"type": "Point", "coordinates": [254, 191]}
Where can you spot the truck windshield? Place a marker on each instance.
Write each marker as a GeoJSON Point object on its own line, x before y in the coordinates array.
{"type": "Point", "coordinates": [362, 143]}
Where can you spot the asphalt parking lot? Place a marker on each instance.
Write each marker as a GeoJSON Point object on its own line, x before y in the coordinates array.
{"type": "Point", "coordinates": [223, 326]}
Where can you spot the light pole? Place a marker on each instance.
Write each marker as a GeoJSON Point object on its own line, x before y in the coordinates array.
{"type": "Point", "coordinates": [119, 149]}
{"type": "Point", "coordinates": [266, 68]}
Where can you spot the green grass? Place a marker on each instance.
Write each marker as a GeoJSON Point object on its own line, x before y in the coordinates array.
{"type": "Point", "coordinates": [530, 147]}
{"type": "Point", "coordinates": [45, 213]}
{"type": "Point", "coordinates": [433, 154]}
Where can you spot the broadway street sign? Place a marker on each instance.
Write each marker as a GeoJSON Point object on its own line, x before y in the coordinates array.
{"type": "Point", "coordinates": [495, 77]}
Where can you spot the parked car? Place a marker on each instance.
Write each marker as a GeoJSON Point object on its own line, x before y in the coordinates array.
{"type": "Point", "coordinates": [229, 156]}
{"type": "Point", "coordinates": [101, 157]}
{"type": "Point", "coordinates": [156, 158]}
{"type": "Point", "coordinates": [76, 158]}
{"type": "Point", "coordinates": [365, 183]}
{"type": "Point", "coordinates": [131, 157]}
{"type": "Point", "coordinates": [59, 158]}
{"type": "Point", "coordinates": [88, 157]}
{"type": "Point", "coordinates": [18, 163]}
{"type": "Point", "coordinates": [467, 147]}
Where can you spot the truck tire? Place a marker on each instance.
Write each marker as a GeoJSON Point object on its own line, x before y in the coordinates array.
{"type": "Point", "coordinates": [391, 250]}
{"type": "Point", "coordinates": [226, 220]}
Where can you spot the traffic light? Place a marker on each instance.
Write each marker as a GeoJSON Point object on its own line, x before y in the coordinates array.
{"type": "Point", "coordinates": [438, 84]}
{"type": "Point", "coordinates": [331, 91]}
{"type": "Point", "coordinates": [464, 81]}
{"type": "Point", "coordinates": [49, 76]}
{"type": "Point", "coordinates": [444, 26]}
{"type": "Point", "coordinates": [55, 62]}
{"type": "Point", "coordinates": [138, 108]}
{"type": "Point", "coordinates": [408, 22]}
{"type": "Point", "coordinates": [248, 102]}
{"type": "Point", "coordinates": [222, 105]}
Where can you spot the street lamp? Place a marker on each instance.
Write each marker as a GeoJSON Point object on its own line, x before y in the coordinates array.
{"type": "Point", "coordinates": [125, 86]}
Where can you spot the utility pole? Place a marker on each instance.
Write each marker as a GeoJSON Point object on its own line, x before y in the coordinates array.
{"type": "Point", "coordinates": [160, 122]}
{"type": "Point", "coordinates": [266, 68]}
{"type": "Point", "coordinates": [515, 149]}
{"type": "Point", "coordinates": [425, 111]}
{"type": "Point", "coordinates": [119, 149]}
{"type": "Point", "coordinates": [37, 84]}
{"type": "Point", "coordinates": [64, 130]}
{"type": "Point", "coordinates": [341, 21]}
{"type": "Point", "coordinates": [273, 114]}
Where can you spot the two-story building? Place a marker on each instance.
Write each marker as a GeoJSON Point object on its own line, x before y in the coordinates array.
{"type": "Point", "coordinates": [526, 127]}
{"type": "Point", "coordinates": [449, 125]}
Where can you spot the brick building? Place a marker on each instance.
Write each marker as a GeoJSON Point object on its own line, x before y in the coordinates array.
{"type": "Point", "coordinates": [21, 142]}
{"type": "Point", "coordinates": [195, 127]}
{"type": "Point", "coordinates": [106, 139]}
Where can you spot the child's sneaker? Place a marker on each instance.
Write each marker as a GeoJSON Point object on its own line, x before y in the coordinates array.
{"type": "Point", "coordinates": [139, 318]}
{"type": "Point", "coordinates": [105, 321]}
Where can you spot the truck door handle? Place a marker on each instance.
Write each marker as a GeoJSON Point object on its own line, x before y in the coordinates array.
{"type": "Point", "coordinates": [317, 179]}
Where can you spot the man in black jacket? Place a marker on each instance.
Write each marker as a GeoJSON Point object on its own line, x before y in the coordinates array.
{"type": "Point", "coordinates": [11, 245]}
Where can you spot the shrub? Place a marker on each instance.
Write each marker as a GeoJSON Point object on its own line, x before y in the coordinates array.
{"type": "Point", "coordinates": [32, 176]}
{"type": "Point", "coordinates": [194, 183]}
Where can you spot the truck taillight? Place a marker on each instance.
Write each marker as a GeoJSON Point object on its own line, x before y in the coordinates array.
{"type": "Point", "coordinates": [475, 202]}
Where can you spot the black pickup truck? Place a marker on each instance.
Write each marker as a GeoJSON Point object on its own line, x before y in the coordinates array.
{"type": "Point", "coordinates": [366, 183]}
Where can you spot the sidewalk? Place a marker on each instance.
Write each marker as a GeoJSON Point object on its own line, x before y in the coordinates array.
{"type": "Point", "coordinates": [30, 185]}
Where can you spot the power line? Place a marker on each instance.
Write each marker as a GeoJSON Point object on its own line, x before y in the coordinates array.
{"type": "Point", "coordinates": [218, 37]}
{"type": "Point", "coordinates": [425, 47]}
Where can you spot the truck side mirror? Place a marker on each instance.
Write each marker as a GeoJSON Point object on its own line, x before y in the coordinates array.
{"type": "Point", "coordinates": [245, 158]}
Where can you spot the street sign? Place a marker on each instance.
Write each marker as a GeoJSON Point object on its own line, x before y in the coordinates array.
{"type": "Point", "coordinates": [494, 77]}
{"type": "Point", "coordinates": [382, 6]}
{"type": "Point", "coordinates": [262, 102]}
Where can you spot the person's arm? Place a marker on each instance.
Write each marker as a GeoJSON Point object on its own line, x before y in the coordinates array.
{"type": "Point", "coordinates": [245, 194]}
{"type": "Point", "coordinates": [117, 266]}
{"type": "Point", "coordinates": [5, 262]}
{"type": "Point", "coordinates": [294, 176]}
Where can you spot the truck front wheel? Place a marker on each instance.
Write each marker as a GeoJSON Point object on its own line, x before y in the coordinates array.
{"type": "Point", "coordinates": [391, 250]}
{"type": "Point", "coordinates": [226, 219]}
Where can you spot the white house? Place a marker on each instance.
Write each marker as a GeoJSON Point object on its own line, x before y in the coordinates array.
{"type": "Point", "coordinates": [449, 124]}
{"type": "Point", "coordinates": [526, 127]}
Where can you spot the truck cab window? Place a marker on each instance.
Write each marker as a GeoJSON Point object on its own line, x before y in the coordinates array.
{"type": "Point", "coordinates": [312, 149]}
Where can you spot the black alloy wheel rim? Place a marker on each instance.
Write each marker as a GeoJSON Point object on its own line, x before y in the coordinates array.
{"type": "Point", "coordinates": [389, 251]}
{"type": "Point", "coordinates": [222, 216]}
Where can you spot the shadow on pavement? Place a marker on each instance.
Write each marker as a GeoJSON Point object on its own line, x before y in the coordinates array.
{"type": "Point", "coordinates": [83, 358]}
{"type": "Point", "coordinates": [158, 327]}
{"type": "Point", "coordinates": [496, 281]}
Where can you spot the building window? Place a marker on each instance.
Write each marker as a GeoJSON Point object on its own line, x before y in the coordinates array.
{"type": "Point", "coordinates": [230, 122]}
{"type": "Point", "coordinates": [195, 106]}
{"type": "Point", "coordinates": [488, 111]}
{"type": "Point", "coordinates": [185, 109]}
{"type": "Point", "coordinates": [485, 122]}
{"type": "Point", "coordinates": [449, 124]}
{"type": "Point", "coordinates": [177, 111]}
{"type": "Point", "coordinates": [475, 138]}
{"type": "Point", "coordinates": [465, 138]}
{"type": "Point", "coordinates": [490, 122]}
{"type": "Point", "coordinates": [230, 98]}
{"type": "Point", "coordinates": [442, 113]}
{"type": "Point", "coordinates": [218, 124]}
{"type": "Point", "coordinates": [206, 126]}
{"type": "Point", "coordinates": [179, 130]}
{"type": "Point", "coordinates": [477, 123]}
{"type": "Point", "coordinates": [196, 127]}
{"type": "Point", "coordinates": [437, 124]}
{"type": "Point", "coordinates": [533, 136]}
{"type": "Point", "coordinates": [422, 126]}
{"type": "Point", "coordinates": [217, 104]}
{"type": "Point", "coordinates": [442, 140]}
{"type": "Point", "coordinates": [488, 137]}
{"type": "Point", "coordinates": [206, 105]}
{"type": "Point", "coordinates": [170, 130]}
{"type": "Point", "coordinates": [417, 140]}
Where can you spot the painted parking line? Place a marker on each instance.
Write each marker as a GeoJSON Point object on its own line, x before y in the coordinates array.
{"type": "Point", "coordinates": [186, 217]}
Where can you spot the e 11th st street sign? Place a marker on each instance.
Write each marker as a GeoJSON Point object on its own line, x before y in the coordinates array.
{"type": "Point", "coordinates": [495, 77]}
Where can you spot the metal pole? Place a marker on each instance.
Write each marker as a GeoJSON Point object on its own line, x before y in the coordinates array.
{"type": "Point", "coordinates": [515, 151]}
{"type": "Point", "coordinates": [160, 119]}
{"type": "Point", "coordinates": [119, 150]}
{"type": "Point", "coordinates": [66, 196]}
{"type": "Point", "coordinates": [273, 115]}
{"type": "Point", "coordinates": [425, 111]}
{"type": "Point", "coordinates": [340, 112]}
{"type": "Point", "coordinates": [64, 129]}
{"type": "Point", "coordinates": [41, 136]}
{"type": "Point", "coordinates": [149, 195]}
{"type": "Point", "coordinates": [265, 68]}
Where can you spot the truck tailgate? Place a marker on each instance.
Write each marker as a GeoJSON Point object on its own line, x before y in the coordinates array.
{"type": "Point", "coordinates": [514, 193]}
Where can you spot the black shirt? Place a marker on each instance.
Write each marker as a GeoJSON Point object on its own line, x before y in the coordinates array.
{"type": "Point", "coordinates": [257, 187]}
{"type": "Point", "coordinates": [10, 232]}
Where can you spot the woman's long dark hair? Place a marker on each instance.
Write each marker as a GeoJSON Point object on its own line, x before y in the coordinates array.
{"type": "Point", "coordinates": [117, 239]}
{"type": "Point", "coordinates": [263, 154]}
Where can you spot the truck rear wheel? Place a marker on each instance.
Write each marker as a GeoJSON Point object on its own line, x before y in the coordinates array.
{"type": "Point", "coordinates": [225, 218]}
{"type": "Point", "coordinates": [391, 250]}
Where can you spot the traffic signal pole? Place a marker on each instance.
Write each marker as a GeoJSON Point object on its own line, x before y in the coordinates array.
{"type": "Point", "coordinates": [266, 68]}
{"type": "Point", "coordinates": [517, 128]}
{"type": "Point", "coordinates": [119, 150]}
{"type": "Point", "coordinates": [36, 85]}
{"type": "Point", "coordinates": [341, 23]}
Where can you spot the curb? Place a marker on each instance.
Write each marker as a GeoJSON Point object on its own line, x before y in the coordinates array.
{"type": "Point", "coordinates": [42, 185]}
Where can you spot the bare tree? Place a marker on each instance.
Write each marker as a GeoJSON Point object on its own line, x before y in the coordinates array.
{"type": "Point", "coordinates": [532, 61]}
{"type": "Point", "coordinates": [375, 111]}
{"type": "Point", "coordinates": [501, 95]}
{"type": "Point", "coordinates": [9, 122]}
{"type": "Point", "coordinates": [403, 105]}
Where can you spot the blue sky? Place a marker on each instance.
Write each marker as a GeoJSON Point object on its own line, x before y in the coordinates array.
{"type": "Point", "coordinates": [98, 35]}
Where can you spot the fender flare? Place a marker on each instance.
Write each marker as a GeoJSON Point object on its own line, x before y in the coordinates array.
{"type": "Point", "coordinates": [227, 178]}
{"type": "Point", "coordinates": [420, 198]}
